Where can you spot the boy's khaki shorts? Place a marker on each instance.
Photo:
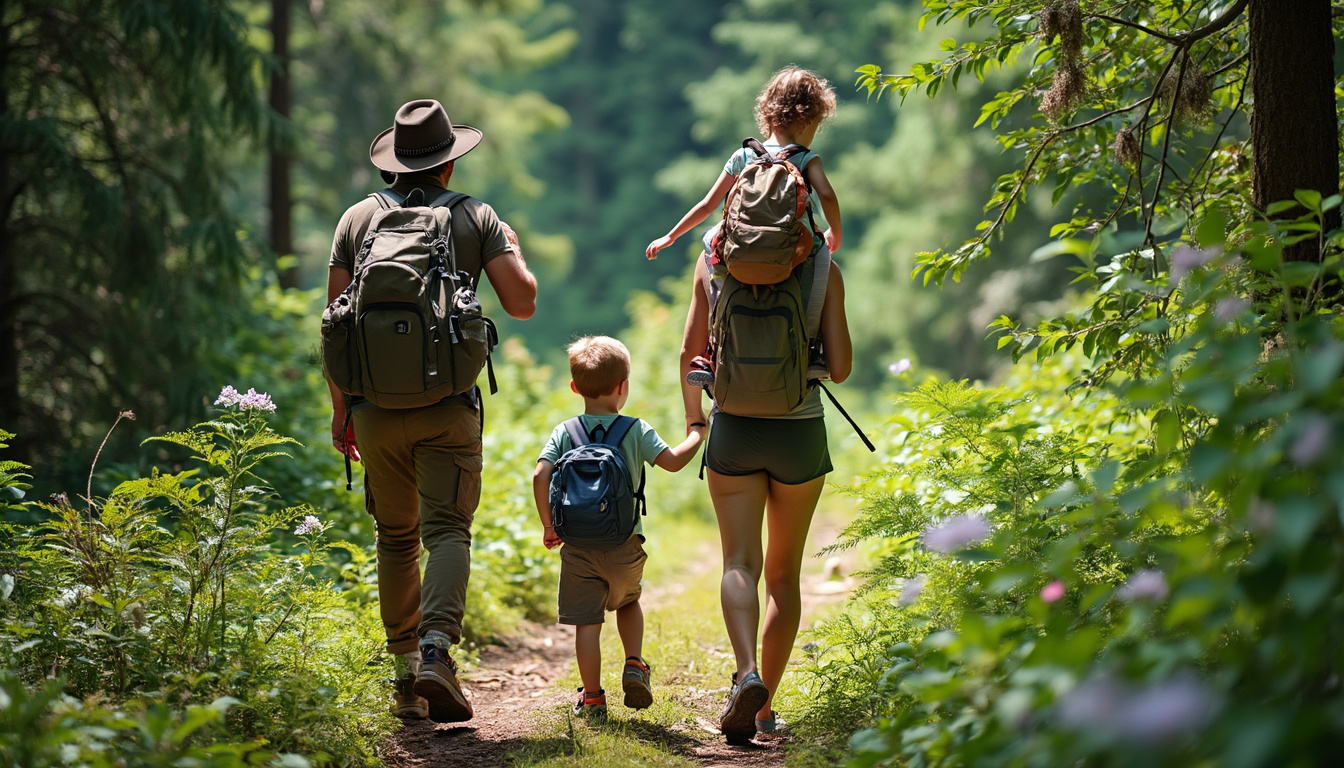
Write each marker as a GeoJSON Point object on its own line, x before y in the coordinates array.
{"type": "Point", "coordinates": [592, 583]}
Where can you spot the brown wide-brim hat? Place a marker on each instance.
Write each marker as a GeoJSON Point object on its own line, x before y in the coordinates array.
{"type": "Point", "coordinates": [422, 137]}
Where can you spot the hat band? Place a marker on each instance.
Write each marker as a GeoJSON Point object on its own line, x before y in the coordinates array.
{"type": "Point", "coordinates": [425, 150]}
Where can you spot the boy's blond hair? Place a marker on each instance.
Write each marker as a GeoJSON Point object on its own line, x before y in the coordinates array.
{"type": "Point", "coordinates": [793, 98]}
{"type": "Point", "coordinates": [598, 364]}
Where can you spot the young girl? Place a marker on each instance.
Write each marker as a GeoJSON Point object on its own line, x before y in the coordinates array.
{"type": "Point", "coordinates": [766, 471]}
{"type": "Point", "coordinates": [790, 109]}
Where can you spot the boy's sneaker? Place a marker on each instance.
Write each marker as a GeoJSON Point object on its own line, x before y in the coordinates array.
{"type": "Point", "coordinates": [405, 703]}
{"type": "Point", "coordinates": [635, 682]}
{"type": "Point", "coordinates": [592, 705]}
{"type": "Point", "coordinates": [437, 683]}
{"type": "Point", "coordinates": [701, 373]}
{"type": "Point", "coordinates": [745, 699]}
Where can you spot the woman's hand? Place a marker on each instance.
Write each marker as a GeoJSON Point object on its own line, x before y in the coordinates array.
{"type": "Point", "coordinates": [832, 239]}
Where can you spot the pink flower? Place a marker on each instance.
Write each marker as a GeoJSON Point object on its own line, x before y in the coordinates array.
{"type": "Point", "coordinates": [1053, 591]}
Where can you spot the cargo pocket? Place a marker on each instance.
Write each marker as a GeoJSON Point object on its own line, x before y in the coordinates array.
{"type": "Point", "coordinates": [468, 483]}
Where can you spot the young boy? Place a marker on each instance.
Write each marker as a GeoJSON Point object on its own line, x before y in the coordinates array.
{"type": "Point", "coordinates": [592, 582]}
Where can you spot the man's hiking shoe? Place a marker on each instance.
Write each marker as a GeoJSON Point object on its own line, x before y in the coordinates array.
{"type": "Point", "coordinates": [701, 373]}
{"type": "Point", "coordinates": [635, 682]}
{"type": "Point", "coordinates": [745, 699]}
{"type": "Point", "coordinates": [437, 683]}
{"type": "Point", "coordinates": [592, 705]}
{"type": "Point", "coordinates": [405, 703]}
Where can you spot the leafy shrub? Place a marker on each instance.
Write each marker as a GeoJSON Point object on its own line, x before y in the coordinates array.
{"type": "Point", "coordinates": [171, 590]}
{"type": "Point", "coordinates": [1161, 594]}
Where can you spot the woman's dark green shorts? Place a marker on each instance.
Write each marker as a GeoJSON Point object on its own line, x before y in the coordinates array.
{"type": "Point", "coordinates": [790, 451]}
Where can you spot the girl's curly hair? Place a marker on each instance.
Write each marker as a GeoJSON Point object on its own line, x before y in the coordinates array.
{"type": "Point", "coordinates": [793, 98]}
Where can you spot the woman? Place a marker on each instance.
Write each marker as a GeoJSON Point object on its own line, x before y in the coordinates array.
{"type": "Point", "coordinates": [771, 471]}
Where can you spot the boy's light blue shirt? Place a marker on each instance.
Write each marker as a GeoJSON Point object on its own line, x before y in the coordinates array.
{"type": "Point", "coordinates": [641, 446]}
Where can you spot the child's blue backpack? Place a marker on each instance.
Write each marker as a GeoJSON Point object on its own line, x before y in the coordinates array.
{"type": "Point", "coordinates": [594, 502]}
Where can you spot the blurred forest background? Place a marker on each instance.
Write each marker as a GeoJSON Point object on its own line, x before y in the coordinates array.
{"type": "Point", "coordinates": [138, 217]}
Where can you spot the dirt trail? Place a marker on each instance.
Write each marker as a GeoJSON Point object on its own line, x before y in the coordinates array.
{"type": "Point", "coordinates": [513, 685]}
{"type": "Point", "coordinates": [506, 689]}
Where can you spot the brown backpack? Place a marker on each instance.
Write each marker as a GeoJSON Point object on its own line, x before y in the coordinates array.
{"type": "Point", "coordinates": [768, 228]}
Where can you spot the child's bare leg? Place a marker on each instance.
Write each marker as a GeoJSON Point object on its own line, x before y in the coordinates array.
{"type": "Point", "coordinates": [588, 653]}
{"type": "Point", "coordinates": [630, 623]}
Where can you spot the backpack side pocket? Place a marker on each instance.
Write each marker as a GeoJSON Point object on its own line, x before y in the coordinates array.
{"type": "Point", "coordinates": [340, 346]}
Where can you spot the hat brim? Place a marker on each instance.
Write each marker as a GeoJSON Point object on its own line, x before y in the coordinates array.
{"type": "Point", "coordinates": [385, 158]}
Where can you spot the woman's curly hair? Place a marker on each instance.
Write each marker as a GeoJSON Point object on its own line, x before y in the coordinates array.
{"type": "Point", "coordinates": [793, 98]}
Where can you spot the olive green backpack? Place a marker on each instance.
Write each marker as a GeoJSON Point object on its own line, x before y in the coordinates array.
{"type": "Point", "coordinates": [408, 331]}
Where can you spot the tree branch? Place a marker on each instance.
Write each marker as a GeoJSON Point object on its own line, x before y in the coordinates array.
{"type": "Point", "coordinates": [1135, 25]}
{"type": "Point", "coordinates": [1229, 16]}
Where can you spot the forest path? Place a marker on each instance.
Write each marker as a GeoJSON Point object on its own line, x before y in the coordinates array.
{"type": "Point", "coordinates": [521, 708]}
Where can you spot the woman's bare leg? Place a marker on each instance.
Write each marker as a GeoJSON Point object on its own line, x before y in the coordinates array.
{"type": "Point", "coordinates": [788, 514]}
{"type": "Point", "coordinates": [739, 504]}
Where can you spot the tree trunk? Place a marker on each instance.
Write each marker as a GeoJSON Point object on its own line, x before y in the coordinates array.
{"type": "Point", "coordinates": [1293, 126]}
{"type": "Point", "coordinates": [9, 327]}
{"type": "Point", "coordinates": [281, 202]}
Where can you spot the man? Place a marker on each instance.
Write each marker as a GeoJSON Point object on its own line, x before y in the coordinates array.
{"type": "Point", "coordinates": [422, 466]}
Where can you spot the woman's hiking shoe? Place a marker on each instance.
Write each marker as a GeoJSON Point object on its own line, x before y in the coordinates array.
{"type": "Point", "coordinates": [405, 703]}
{"type": "Point", "coordinates": [635, 682]}
{"type": "Point", "coordinates": [773, 725]}
{"type": "Point", "coordinates": [437, 683]}
{"type": "Point", "coordinates": [701, 373]}
{"type": "Point", "coordinates": [592, 705]}
{"type": "Point", "coordinates": [745, 699]}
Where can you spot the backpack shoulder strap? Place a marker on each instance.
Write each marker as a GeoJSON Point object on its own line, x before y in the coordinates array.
{"type": "Point", "coordinates": [816, 297]}
{"type": "Point", "coordinates": [387, 198]}
{"type": "Point", "coordinates": [447, 199]}
{"type": "Point", "coordinates": [619, 428]}
{"type": "Point", "coordinates": [578, 436]}
{"type": "Point", "coordinates": [755, 145]}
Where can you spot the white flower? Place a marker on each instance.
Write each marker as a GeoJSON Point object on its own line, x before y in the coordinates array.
{"type": "Point", "coordinates": [911, 589]}
{"type": "Point", "coordinates": [227, 396]}
{"type": "Point", "coordinates": [956, 533]}
{"type": "Point", "coordinates": [900, 366]}
{"type": "Point", "coordinates": [310, 523]}
{"type": "Point", "coordinates": [1146, 584]}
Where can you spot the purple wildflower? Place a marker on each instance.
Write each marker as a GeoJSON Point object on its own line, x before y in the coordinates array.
{"type": "Point", "coordinates": [1226, 310]}
{"type": "Point", "coordinates": [911, 589]}
{"type": "Point", "coordinates": [1312, 440]}
{"type": "Point", "coordinates": [1152, 713]}
{"type": "Point", "coordinates": [256, 401]}
{"type": "Point", "coordinates": [1146, 584]}
{"type": "Point", "coordinates": [227, 396]}
{"type": "Point", "coordinates": [1185, 260]}
{"type": "Point", "coordinates": [956, 533]}
{"type": "Point", "coordinates": [310, 524]}
{"type": "Point", "coordinates": [900, 366]}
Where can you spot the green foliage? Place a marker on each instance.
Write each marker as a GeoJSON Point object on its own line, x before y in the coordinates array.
{"type": "Point", "coordinates": [1155, 579]}
{"type": "Point", "coordinates": [120, 245]}
{"type": "Point", "coordinates": [173, 589]}
{"type": "Point", "coordinates": [1126, 101]}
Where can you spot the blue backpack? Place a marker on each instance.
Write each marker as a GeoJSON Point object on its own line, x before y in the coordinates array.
{"type": "Point", "coordinates": [594, 502]}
